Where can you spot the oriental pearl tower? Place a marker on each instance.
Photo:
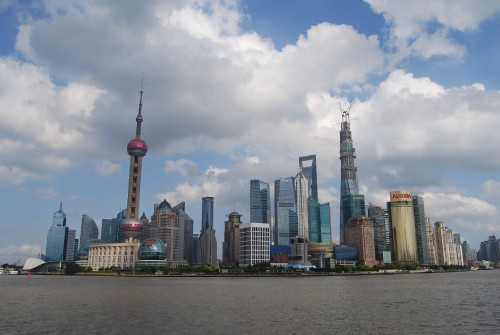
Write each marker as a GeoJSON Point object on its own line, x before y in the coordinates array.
{"type": "Point", "coordinates": [131, 227]}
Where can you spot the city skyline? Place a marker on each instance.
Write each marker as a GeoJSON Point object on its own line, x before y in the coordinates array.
{"type": "Point", "coordinates": [237, 91]}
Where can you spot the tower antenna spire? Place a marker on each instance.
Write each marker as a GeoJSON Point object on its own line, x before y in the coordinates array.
{"type": "Point", "coordinates": [138, 119]}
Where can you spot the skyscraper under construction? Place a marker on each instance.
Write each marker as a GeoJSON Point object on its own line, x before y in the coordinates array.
{"type": "Point", "coordinates": [348, 171]}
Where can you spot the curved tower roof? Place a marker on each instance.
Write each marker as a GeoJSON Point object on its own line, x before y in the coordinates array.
{"type": "Point", "coordinates": [59, 218]}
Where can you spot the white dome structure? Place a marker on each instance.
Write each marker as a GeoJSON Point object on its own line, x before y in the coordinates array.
{"type": "Point", "coordinates": [32, 263]}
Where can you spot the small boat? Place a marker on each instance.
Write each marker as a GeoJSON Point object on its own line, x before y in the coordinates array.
{"type": "Point", "coordinates": [11, 271]}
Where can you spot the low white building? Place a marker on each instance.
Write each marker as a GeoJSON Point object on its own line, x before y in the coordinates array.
{"type": "Point", "coordinates": [118, 255]}
{"type": "Point", "coordinates": [255, 241]}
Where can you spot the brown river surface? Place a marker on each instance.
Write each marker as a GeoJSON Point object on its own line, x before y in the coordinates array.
{"type": "Point", "coordinates": [438, 303]}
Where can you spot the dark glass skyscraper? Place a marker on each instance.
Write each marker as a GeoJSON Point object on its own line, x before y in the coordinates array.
{"type": "Point", "coordinates": [207, 213]}
{"type": "Point", "coordinates": [110, 228]}
{"type": "Point", "coordinates": [348, 171]}
{"type": "Point", "coordinates": [307, 165]}
{"type": "Point", "coordinates": [260, 202]}
{"type": "Point", "coordinates": [421, 230]}
{"type": "Point", "coordinates": [378, 215]}
{"type": "Point", "coordinates": [207, 243]}
{"type": "Point", "coordinates": [71, 245]}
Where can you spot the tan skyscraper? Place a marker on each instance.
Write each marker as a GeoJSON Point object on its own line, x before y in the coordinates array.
{"type": "Point", "coordinates": [164, 225]}
{"type": "Point", "coordinates": [359, 233]}
{"type": "Point", "coordinates": [231, 244]}
{"type": "Point", "coordinates": [402, 223]}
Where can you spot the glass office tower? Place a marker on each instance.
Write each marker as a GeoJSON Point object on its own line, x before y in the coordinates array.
{"type": "Point", "coordinates": [353, 205]}
{"type": "Point", "coordinates": [285, 212]}
{"type": "Point", "coordinates": [260, 201]}
{"type": "Point", "coordinates": [307, 165]}
{"type": "Point", "coordinates": [319, 222]}
{"type": "Point", "coordinates": [421, 230]}
{"type": "Point", "coordinates": [57, 237]}
{"type": "Point", "coordinates": [380, 230]}
{"type": "Point", "coordinates": [207, 213]}
{"type": "Point", "coordinates": [88, 232]}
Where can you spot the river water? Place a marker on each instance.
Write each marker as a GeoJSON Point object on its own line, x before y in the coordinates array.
{"type": "Point", "coordinates": [438, 303]}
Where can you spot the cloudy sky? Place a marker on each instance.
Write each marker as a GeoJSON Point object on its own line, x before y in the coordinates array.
{"type": "Point", "coordinates": [238, 90]}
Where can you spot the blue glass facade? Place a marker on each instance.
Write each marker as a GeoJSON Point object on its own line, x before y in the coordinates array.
{"type": "Point", "coordinates": [57, 237]}
{"type": "Point", "coordinates": [352, 205]}
{"type": "Point", "coordinates": [319, 222]}
{"type": "Point", "coordinates": [260, 201]}
{"type": "Point", "coordinates": [325, 223]}
{"type": "Point", "coordinates": [346, 254]}
{"type": "Point", "coordinates": [314, 221]}
{"type": "Point", "coordinates": [207, 212]}
{"type": "Point", "coordinates": [89, 231]}
{"type": "Point", "coordinates": [110, 228]}
{"type": "Point", "coordinates": [286, 219]}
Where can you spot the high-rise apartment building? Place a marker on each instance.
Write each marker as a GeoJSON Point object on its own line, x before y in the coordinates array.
{"type": "Point", "coordinates": [359, 233]}
{"type": "Point", "coordinates": [348, 171]}
{"type": "Point", "coordinates": [307, 165]}
{"type": "Point", "coordinates": [442, 252]}
{"type": "Point", "coordinates": [301, 189]}
{"type": "Point", "coordinates": [254, 244]}
{"type": "Point", "coordinates": [402, 221]}
{"type": "Point", "coordinates": [421, 230]}
{"type": "Point", "coordinates": [260, 201]}
{"type": "Point", "coordinates": [231, 244]}
{"type": "Point", "coordinates": [88, 232]}
{"type": "Point", "coordinates": [431, 240]}
{"type": "Point", "coordinates": [320, 229]}
{"type": "Point", "coordinates": [131, 228]}
{"type": "Point", "coordinates": [285, 211]}
{"type": "Point", "coordinates": [457, 241]}
{"type": "Point", "coordinates": [57, 237]}
{"type": "Point", "coordinates": [207, 243]}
